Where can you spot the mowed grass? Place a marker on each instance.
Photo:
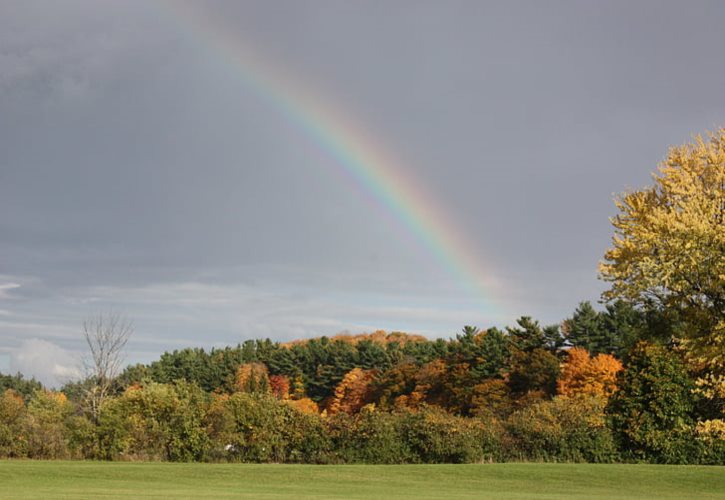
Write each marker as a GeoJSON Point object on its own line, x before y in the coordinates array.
{"type": "Point", "coordinates": [56, 479]}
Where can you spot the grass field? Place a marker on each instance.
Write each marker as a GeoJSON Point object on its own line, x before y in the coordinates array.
{"type": "Point", "coordinates": [37, 479]}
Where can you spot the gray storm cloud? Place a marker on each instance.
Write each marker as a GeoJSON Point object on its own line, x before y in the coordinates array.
{"type": "Point", "coordinates": [139, 171]}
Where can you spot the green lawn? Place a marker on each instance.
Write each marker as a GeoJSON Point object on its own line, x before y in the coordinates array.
{"type": "Point", "coordinates": [37, 479]}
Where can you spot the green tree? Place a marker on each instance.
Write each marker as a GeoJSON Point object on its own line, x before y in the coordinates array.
{"type": "Point", "coordinates": [534, 366]}
{"type": "Point", "coordinates": [625, 325]}
{"type": "Point", "coordinates": [534, 371]}
{"type": "Point", "coordinates": [19, 384]}
{"type": "Point", "coordinates": [529, 335]}
{"type": "Point", "coordinates": [485, 352]}
{"type": "Point", "coordinates": [651, 413]}
{"type": "Point", "coordinates": [612, 331]}
{"type": "Point", "coordinates": [585, 329]}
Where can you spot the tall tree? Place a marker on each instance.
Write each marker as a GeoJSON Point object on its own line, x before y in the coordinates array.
{"type": "Point", "coordinates": [529, 335]}
{"type": "Point", "coordinates": [669, 251]}
{"type": "Point", "coordinates": [584, 329]}
{"type": "Point", "coordinates": [625, 325]}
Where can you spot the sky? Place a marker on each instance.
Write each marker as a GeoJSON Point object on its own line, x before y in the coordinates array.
{"type": "Point", "coordinates": [187, 164]}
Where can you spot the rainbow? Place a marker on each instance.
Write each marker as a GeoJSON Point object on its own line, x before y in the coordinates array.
{"type": "Point", "coordinates": [361, 158]}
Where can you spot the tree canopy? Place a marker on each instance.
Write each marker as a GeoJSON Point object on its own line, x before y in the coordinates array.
{"type": "Point", "coordinates": [668, 252]}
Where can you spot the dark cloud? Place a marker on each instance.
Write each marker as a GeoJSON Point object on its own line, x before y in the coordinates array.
{"type": "Point", "coordinates": [136, 163]}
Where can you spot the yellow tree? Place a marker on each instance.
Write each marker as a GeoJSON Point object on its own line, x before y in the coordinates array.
{"type": "Point", "coordinates": [252, 377]}
{"type": "Point", "coordinates": [13, 420]}
{"type": "Point", "coordinates": [305, 405]}
{"type": "Point", "coordinates": [669, 251]}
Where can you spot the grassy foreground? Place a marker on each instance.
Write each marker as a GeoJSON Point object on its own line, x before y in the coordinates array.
{"type": "Point", "coordinates": [38, 479]}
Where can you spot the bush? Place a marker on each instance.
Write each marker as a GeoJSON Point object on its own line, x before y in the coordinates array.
{"type": "Point", "coordinates": [562, 429]}
{"type": "Point", "coordinates": [258, 427]}
{"type": "Point", "coordinates": [435, 436]}
{"type": "Point", "coordinates": [82, 438]}
{"type": "Point", "coordinates": [13, 421]}
{"type": "Point", "coordinates": [308, 440]}
{"type": "Point", "coordinates": [428, 435]}
{"type": "Point", "coordinates": [45, 428]}
{"type": "Point", "coordinates": [155, 422]}
{"type": "Point", "coordinates": [710, 435]}
{"type": "Point", "coordinates": [371, 436]}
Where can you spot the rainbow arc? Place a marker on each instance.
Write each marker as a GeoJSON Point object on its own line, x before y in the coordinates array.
{"type": "Point", "coordinates": [354, 151]}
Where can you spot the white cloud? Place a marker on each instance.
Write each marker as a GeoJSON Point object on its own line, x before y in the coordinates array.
{"type": "Point", "coordinates": [46, 361]}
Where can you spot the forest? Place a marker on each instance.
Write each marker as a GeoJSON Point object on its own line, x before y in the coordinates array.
{"type": "Point", "coordinates": [641, 379]}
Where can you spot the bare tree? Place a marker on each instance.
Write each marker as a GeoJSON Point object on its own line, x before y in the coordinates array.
{"type": "Point", "coordinates": [106, 336]}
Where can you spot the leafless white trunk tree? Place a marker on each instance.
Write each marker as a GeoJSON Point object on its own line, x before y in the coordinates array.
{"type": "Point", "coordinates": [106, 336]}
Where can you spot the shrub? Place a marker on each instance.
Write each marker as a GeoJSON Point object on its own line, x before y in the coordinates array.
{"type": "Point", "coordinates": [13, 422]}
{"type": "Point", "coordinates": [435, 436]}
{"type": "Point", "coordinates": [155, 422]}
{"type": "Point", "coordinates": [82, 438]}
{"type": "Point", "coordinates": [562, 429]}
{"type": "Point", "coordinates": [45, 429]}
{"type": "Point", "coordinates": [254, 427]}
{"type": "Point", "coordinates": [370, 436]}
{"type": "Point", "coordinates": [710, 435]}
{"type": "Point", "coordinates": [427, 435]}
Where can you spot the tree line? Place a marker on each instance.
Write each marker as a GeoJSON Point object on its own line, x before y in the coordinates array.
{"type": "Point", "coordinates": [590, 389]}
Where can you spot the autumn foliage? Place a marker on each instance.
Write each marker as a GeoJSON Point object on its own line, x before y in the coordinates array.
{"type": "Point", "coordinates": [352, 393]}
{"type": "Point", "coordinates": [668, 254]}
{"type": "Point", "coordinates": [252, 377]}
{"type": "Point", "coordinates": [280, 386]}
{"type": "Point", "coordinates": [304, 405]}
{"type": "Point", "coordinates": [583, 375]}
{"type": "Point", "coordinates": [378, 337]}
